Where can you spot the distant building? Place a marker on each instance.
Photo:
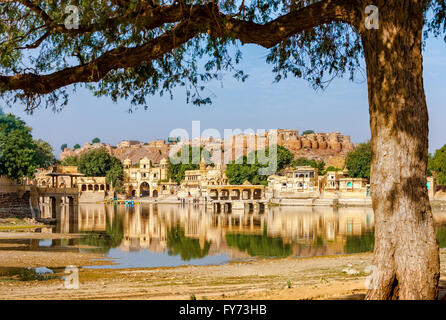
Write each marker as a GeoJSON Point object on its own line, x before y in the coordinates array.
{"type": "Point", "coordinates": [196, 181]}
{"type": "Point", "coordinates": [146, 179]}
{"type": "Point", "coordinates": [128, 143]}
{"type": "Point", "coordinates": [91, 189]}
{"type": "Point", "coordinates": [302, 182]}
{"type": "Point", "coordinates": [338, 185]}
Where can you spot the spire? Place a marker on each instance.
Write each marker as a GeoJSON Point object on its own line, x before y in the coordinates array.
{"type": "Point", "coordinates": [202, 164]}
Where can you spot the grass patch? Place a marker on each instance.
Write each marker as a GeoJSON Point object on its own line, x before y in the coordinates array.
{"type": "Point", "coordinates": [26, 274]}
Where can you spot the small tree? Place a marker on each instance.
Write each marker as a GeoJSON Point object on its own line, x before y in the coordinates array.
{"type": "Point", "coordinates": [76, 146]}
{"type": "Point", "coordinates": [358, 161]}
{"type": "Point", "coordinates": [63, 147]}
{"type": "Point", "coordinates": [307, 132]}
{"type": "Point", "coordinates": [437, 164]}
{"type": "Point", "coordinates": [115, 175]}
{"type": "Point", "coordinates": [176, 171]}
{"type": "Point", "coordinates": [302, 161]}
{"type": "Point", "coordinates": [18, 151]}
{"type": "Point", "coordinates": [44, 154]}
{"type": "Point", "coordinates": [96, 140]}
{"type": "Point", "coordinates": [70, 161]}
{"type": "Point", "coordinates": [240, 171]}
{"type": "Point", "coordinates": [97, 162]}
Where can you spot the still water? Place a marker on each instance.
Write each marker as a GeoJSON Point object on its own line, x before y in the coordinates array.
{"type": "Point", "coordinates": [151, 235]}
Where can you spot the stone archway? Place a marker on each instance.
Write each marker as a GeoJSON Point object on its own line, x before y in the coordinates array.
{"type": "Point", "coordinates": [144, 189]}
{"type": "Point", "coordinates": [257, 194]}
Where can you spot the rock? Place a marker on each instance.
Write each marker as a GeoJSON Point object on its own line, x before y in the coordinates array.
{"type": "Point", "coordinates": [350, 271]}
{"type": "Point", "coordinates": [46, 220]}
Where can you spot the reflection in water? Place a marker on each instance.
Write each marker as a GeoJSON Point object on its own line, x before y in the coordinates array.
{"type": "Point", "coordinates": [169, 235]}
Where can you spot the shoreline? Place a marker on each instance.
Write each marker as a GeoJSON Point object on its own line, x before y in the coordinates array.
{"type": "Point", "coordinates": [343, 203]}
{"type": "Point", "coordinates": [321, 277]}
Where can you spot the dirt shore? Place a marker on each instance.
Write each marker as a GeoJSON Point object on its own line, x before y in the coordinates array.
{"type": "Point", "coordinates": [328, 277]}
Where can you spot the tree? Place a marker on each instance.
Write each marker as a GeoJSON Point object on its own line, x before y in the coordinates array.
{"type": "Point", "coordinates": [63, 147]}
{"type": "Point", "coordinates": [244, 169]}
{"type": "Point", "coordinates": [331, 168]}
{"type": "Point", "coordinates": [158, 48]}
{"type": "Point", "coordinates": [302, 161]}
{"type": "Point", "coordinates": [96, 140]}
{"type": "Point", "coordinates": [307, 132]}
{"type": "Point", "coordinates": [76, 146]}
{"type": "Point", "coordinates": [70, 161]}
{"type": "Point", "coordinates": [438, 165]}
{"type": "Point", "coordinates": [97, 163]}
{"type": "Point", "coordinates": [18, 152]}
{"type": "Point", "coordinates": [358, 161]}
{"type": "Point", "coordinates": [115, 175]}
{"type": "Point", "coordinates": [176, 171]}
{"type": "Point", "coordinates": [44, 154]}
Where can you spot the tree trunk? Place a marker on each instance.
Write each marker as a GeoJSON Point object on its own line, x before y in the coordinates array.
{"type": "Point", "coordinates": [406, 252]}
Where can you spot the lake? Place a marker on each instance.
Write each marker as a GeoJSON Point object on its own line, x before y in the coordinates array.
{"type": "Point", "coordinates": [160, 235]}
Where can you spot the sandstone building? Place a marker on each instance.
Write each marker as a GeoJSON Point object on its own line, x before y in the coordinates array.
{"type": "Point", "coordinates": [196, 181]}
{"type": "Point", "coordinates": [145, 179]}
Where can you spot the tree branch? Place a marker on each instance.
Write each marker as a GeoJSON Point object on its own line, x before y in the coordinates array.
{"type": "Point", "coordinates": [201, 18]}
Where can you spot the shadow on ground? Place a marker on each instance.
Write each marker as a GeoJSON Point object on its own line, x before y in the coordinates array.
{"type": "Point", "coordinates": [361, 296]}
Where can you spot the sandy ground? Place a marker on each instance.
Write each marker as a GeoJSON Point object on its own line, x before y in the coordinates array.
{"type": "Point", "coordinates": [309, 278]}
{"type": "Point", "coordinates": [37, 235]}
{"type": "Point", "coordinates": [329, 277]}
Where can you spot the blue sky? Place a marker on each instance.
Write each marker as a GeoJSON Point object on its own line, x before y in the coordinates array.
{"type": "Point", "coordinates": [258, 103]}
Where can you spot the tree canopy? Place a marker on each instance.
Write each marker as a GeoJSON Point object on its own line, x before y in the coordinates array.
{"type": "Point", "coordinates": [437, 164]}
{"type": "Point", "coordinates": [98, 163]}
{"type": "Point", "coordinates": [70, 161]}
{"type": "Point", "coordinates": [307, 132]}
{"type": "Point", "coordinates": [358, 161]}
{"type": "Point", "coordinates": [20, 155]}
{"type": "Point", "coordinates": [44, 154]}
{"type": "Point", "coordinates": [244, 169]}
{"type": "Point", "coordinates": [96, 140]}
{"type": "Point", "coordinates": [63, 147]}
{"type": "Point", "coordinates": [46, 46]}
{"type": "Point", "coordinates": [76, 146]}
{"type": "Point", "coordinates": [302, 161]}
{"type": "Point", "coordinates": [176, 171]}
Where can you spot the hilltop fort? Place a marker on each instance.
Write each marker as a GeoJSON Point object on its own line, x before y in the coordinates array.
{"type": "Point", "coordinates": [329, 147]}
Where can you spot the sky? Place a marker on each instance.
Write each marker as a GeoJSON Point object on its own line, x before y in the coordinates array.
{"type": "Point", "coordinates": [258, 103]}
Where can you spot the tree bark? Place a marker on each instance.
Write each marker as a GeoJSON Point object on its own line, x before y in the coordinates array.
{"type": "Point", "coordinates": [406, 253]}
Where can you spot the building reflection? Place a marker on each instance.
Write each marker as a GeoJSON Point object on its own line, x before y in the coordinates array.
{"type": "Point", "coordinates": [280, 231]}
